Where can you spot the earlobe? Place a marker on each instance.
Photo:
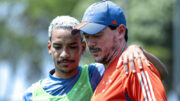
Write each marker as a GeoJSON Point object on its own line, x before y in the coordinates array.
{"type": "Point", "coordinates": [49, 47]}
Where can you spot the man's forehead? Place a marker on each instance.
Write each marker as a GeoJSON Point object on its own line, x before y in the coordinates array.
{"type": "Point", "coordinates": [66, 40]}
{"type": "Point", "coordinates": [64, 33]}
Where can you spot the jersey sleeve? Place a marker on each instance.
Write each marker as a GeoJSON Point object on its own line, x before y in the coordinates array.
{"type": "Point", "coordinates": [145, 85]}
{"type": "Point", "coordinates": [28, 95]}
{"type": "Point", "coordinates": [96, 71]}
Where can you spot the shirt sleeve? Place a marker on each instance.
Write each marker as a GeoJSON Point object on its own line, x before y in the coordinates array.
{"type": "Point", "coordinates": [96, 71]}
{"type": "Point", "coordinates": [28, 95]}
{"type": "Point", "coordinates": [146, 84]}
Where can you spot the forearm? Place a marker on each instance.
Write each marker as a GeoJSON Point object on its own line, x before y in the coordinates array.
{"type": "Point", "coordinates": [157, 63]}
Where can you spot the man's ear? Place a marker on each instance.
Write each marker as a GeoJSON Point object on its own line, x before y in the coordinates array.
{"type": "Point", "coordinates": [122, 31]}
{"type": "Point", "coordinates": [49, 47]}
{"type": "Point", "coordinates": [83, 47]}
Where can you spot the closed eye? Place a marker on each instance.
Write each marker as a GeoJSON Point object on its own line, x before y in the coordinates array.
{"type": "Point", "coordinates": [74, 46]}
{"type": "Point", "coordinates": [57, 46]}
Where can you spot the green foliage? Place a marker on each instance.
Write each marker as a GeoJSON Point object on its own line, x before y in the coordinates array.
{"type": "Point", "coordinates": [51, 8]}
{"type": "Point", "coordinates": [150, 24]}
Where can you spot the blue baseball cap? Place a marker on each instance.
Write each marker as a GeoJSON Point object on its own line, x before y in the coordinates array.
{"type": "Point", "coordinates": [100, 15]}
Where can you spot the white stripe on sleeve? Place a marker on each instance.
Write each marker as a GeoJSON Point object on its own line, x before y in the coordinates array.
{"type": "Point", "coordinates": [142, 86]}
{"type": "Point", "coordinates": [146, 86]}
{"type": "Point", "coordinates": [149, 82]}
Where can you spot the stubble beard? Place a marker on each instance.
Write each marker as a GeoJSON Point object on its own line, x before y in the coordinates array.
{"type": "Point", "coordinates": [109, 56]}
{"type": "Point", "coordinates": [67, 72]}
{"type": "Point", "coordinates": [105, 59]}
{"type": "Point", "coordinates": [60, 69]}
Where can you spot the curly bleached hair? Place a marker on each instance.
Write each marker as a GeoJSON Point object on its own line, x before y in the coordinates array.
{"type": "Point", "coordinates": [63, 22]}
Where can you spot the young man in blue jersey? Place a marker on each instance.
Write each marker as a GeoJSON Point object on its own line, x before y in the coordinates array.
{"type": "Point", "coordinates": [68, 81]}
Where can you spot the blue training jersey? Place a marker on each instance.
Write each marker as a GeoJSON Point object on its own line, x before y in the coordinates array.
{"type": "Point", "coordinates": [58, 86]}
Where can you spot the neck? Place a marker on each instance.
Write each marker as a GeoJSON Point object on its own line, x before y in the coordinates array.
{"type": "Point", "coordinates": [64, 75]}
{"type": "Point", "coordinates": [118, 51]}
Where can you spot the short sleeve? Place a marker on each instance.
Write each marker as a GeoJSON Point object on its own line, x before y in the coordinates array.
{"type": "Point", "coordinates": [96, 71]}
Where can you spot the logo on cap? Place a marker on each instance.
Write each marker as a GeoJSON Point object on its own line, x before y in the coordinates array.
{"type": "Point", "coordinates": [114, 22]}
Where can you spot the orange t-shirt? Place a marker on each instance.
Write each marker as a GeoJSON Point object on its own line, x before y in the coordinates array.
{"type": "Point", "coordinates": [145, 85]}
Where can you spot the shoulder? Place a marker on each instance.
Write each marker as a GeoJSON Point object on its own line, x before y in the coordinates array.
{"type": "Point", "coordinates": [147, 72]}
{"type": "Point", "coordinates": [96, 66]}
{"type": "Point", "coordinates": [32, 87]}
{"type": "Point", "coordinates": [27, 96]}
{"type": "Point", "coordinates": [29, 90]}
{"type": "Point", "coordinates": [96, 69]}
{"type": "Point", "coordinates": [147, 67]}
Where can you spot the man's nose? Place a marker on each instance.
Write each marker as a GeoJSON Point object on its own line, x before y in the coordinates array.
{"type": "Point", "coordinates": [65, 54]}
{"type": "Point", "coordinates": [90, 42]}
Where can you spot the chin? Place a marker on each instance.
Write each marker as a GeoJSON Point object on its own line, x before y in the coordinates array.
{"type": "Point", "coordinates": [68, 71]}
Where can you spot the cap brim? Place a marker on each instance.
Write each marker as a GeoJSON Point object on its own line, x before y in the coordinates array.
{"type": "Point", "coordinates": [91, 28]}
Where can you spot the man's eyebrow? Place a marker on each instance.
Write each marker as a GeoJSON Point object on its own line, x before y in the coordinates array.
{"type": "Point", "coordinates": [56, 44]}
{"type": "Point", "coordinates": [73, 43]}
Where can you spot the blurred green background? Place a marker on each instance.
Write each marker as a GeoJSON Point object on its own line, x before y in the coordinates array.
{"type": "Point", "coordinates": [24, 57]}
